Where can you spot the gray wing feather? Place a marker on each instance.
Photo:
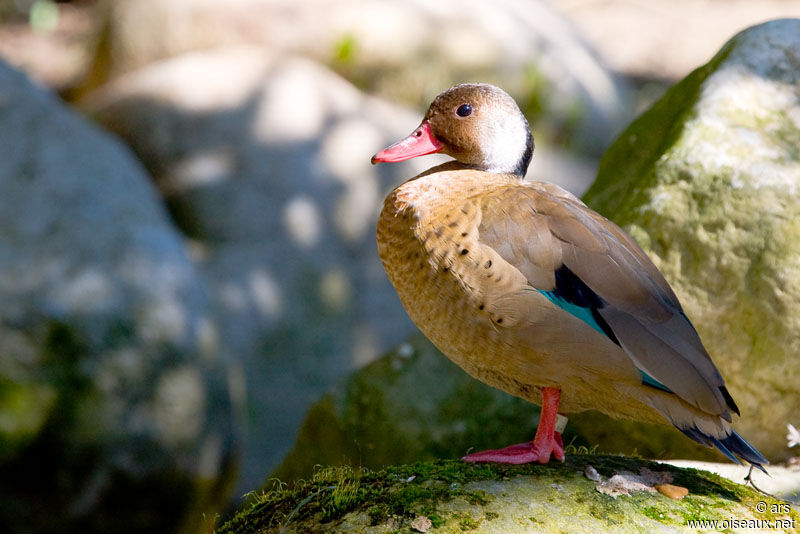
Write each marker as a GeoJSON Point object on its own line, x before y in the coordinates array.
{"type": "Point", "coordinates": [546, 230]}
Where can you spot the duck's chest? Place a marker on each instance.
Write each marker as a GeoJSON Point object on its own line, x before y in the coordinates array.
{"type": "Point", "coordinates": [428, 241]}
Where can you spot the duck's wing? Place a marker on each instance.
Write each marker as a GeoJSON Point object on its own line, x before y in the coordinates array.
{"type": "Point", "coordinates": [589, 267]}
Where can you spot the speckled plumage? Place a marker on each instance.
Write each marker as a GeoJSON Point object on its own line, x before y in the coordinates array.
{"type": "Point", "coordinates": [480, 259]}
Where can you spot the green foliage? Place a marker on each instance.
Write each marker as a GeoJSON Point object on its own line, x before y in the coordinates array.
{"type": "Point", "coordinates": [344, 50]}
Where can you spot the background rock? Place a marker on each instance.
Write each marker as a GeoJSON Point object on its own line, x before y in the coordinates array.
{"type": "Point", "coordinates": [116, 412]}
{"type": "Point", "coordinates": [708, 182]}
{"type": "Point", "coordinates": [413, 404]}
{"type": "Point", "coordinates": [404, 51]}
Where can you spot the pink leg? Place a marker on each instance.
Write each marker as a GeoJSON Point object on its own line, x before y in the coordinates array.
{"type": "Point", "coordinates": [546, 442]}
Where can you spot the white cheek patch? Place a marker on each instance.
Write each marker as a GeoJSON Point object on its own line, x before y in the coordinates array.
{"type": "Point", "coordinates": [505, 143]}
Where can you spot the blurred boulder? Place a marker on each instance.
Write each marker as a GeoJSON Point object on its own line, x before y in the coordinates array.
{"type": "Point", "coordinates": [115, 409]}
{"type": "Point", "coordinates": [708, 182]}
{"type": "Point", "coordinates": [404, 51]}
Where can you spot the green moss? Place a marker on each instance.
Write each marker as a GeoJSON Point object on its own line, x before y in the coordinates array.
{"type": "Point", "coordinates": [332, 492]}
{"type": "Point", "coordinates": [436, 520]}
{"type": "Point", "coordinates": [403, 492]}
{"type": "Point", "coordinates": [478, 497]}
{"type": "Point", "coordinates": [377, 514]}
{"type": "Point", "coordinates": [467, 523]}
{"type": "Point", "coordinates": [344, 495]}
{"type": "Point", "coordinates": [654, 512]}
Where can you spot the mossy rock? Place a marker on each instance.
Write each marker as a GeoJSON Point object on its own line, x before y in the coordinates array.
{"type": "Point", "coordinates": [708, 182]}
{"type": "Point", "coordinates": [452, 497]}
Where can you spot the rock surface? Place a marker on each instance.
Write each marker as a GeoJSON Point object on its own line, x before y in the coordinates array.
{"type": "Point", "coordinates": [115, 412]}
{"type": "Point", "coordinates": [708, 182]}
{"type": "Point", "coordinates": [457, 497]}
{"type": "Point", "coordinates": [783, 481]}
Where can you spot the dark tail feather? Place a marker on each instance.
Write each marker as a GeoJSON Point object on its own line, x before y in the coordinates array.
{"type": "Point", "coordinates": [731, 446]}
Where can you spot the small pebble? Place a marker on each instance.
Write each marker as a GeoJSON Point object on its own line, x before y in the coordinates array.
{"type": "Point", "coordinates": [673, 492]}
{"type": "Point", "coordinates": [591, 473]}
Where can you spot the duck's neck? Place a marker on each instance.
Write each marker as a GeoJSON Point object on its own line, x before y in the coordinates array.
{"type": "Point", "coordinates": [510, 150]}
{"type": "Point", "coordinates": [521, 169]}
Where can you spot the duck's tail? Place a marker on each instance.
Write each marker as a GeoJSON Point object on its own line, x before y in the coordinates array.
{"type": "Point", "coordinates": [731, 446]}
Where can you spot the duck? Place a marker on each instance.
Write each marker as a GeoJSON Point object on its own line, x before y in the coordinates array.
{"type": "Point", "coordinates": [532, 292]}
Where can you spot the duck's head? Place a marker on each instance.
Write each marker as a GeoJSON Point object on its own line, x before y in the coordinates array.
{"type": "Point", "coordinates": [478, 124]}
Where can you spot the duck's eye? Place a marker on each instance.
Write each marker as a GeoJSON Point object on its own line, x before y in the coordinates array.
{"type": "Point", "coordinates": [464, 110]}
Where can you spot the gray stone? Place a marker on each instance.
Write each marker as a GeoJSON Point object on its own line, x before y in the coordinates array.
{"type": "Point", "coordinates": [708, 182]}
{"type": "Point", "coordinates": [115, 411]}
